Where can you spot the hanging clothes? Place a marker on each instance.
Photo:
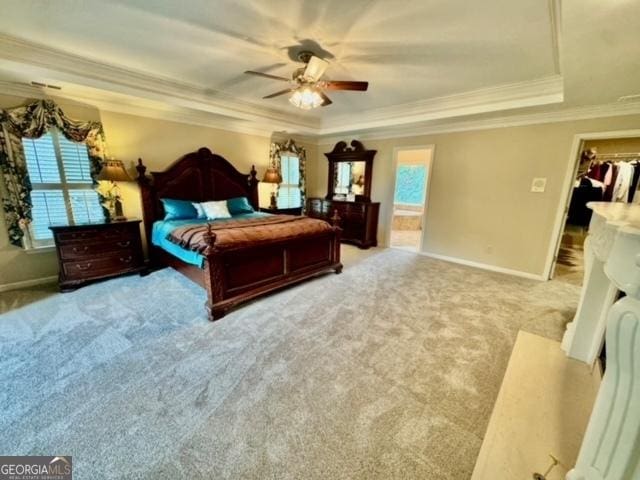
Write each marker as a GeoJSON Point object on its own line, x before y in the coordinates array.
{"type": "Point", "coordinates": [597, 171]}
{"type": "Point", "coordinates": [583, 193]}
{"type": "Point", "coordinates": [634, 181]}
{"type": "Point", "coordinates": [610, 182]}
{"type": "Point", "coordinates": [623, 182]}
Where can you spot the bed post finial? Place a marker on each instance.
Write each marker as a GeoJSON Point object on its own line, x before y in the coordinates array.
{"type": "Point", "coordinates": [253, 183]}
{"type": "Point", "coordinates": [142, 169]}
{"type": "Point", "coordinates": [335, 219]}
{"type": "Point", "coordinates": [209, 238]}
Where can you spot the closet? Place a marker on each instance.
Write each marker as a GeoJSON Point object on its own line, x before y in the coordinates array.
{"type": "Point", "coordinates": [610, 177]}
{"type": "Point", "coordinates": [608, 171]}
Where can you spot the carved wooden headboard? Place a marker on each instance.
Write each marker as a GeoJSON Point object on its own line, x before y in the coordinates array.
{"type": "Point", "coordinates": [198, 177]}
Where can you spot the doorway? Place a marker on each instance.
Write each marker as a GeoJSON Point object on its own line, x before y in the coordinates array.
{"type": "Point", "coordinates": [594, 155]}
{"type": "Point", "coordinates": [412, 173]}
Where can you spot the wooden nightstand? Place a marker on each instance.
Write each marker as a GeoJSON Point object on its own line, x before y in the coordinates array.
{"type": "Point", "coordinates": [283, 211]}
{"type": "Point", "coordinates": [95, 251]}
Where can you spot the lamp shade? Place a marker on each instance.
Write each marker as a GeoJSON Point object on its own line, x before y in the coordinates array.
{"type": "Point", "coordinates": [114, 170]}
{"type": "Point", "coordinates": [272, 175]}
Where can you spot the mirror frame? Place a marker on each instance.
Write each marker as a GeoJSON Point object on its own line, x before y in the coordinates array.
{"type": "Point", "coordinates": [356, 153]}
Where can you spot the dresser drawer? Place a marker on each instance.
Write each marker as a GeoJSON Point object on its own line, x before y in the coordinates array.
{"type": "Point", "coordinates": [116, 263]}
{"type": "Point", "coordinates": [353, 212]}
{"type": "Point", "coordinates": [82, 250]}
{"type": "Point", "coordinates": [97, 235]}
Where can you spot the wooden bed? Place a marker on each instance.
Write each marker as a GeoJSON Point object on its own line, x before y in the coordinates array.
{"type": "Point", "coordinates": [231, 276]}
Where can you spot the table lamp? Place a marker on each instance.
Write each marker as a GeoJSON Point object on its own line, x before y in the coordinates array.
{"type": "Point", "coordinates": [272, 175]}
{"type": "Point", "coordinates": [114, 171]}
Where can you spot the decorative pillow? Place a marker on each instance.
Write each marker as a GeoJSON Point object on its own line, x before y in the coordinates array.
{"type": "Point", "coordinates": [199, 210]}
{"type": "Point", "coordinates": [214, 210]}
{"type": "Point", "coordinates": [177, 209]}
{"type": "Point", "coordinates": [239, 205]}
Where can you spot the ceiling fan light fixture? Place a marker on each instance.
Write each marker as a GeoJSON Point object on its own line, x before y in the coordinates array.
{"type": "Point", "coordinates": [306, 97]}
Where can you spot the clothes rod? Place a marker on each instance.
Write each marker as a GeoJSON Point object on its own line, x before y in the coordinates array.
{"type": "Point", "coordinates": [617, 155]}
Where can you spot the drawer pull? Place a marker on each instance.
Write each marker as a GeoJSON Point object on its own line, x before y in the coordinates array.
{"type": "Point", "coordinates": [78, 250]}
{"type": "Point", "coordinates": [83, 267]}
{"type": "Point", "coordinates": [124, 244]}
{"type": "Point", "coordinates": [126, 259]}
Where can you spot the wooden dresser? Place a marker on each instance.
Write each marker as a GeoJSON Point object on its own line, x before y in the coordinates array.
{"type": "Point", "coordinates": [358, 220]}
{"type": "Point", "coordinates": [96, 251]}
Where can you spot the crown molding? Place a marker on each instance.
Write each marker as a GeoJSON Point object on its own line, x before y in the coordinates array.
{"type": "Point", "coordinates": [166, 113]}
{"type": "Point", "coordinates": [564, 115]}
{"type": "Point", "coordinates": [160, 112]}
{"type": "Point", "coordinates": [544, 91]}
{"type": "Point", "coordinates": [45, 61]}
{"type": "Point", "coordinates": [157, 111]}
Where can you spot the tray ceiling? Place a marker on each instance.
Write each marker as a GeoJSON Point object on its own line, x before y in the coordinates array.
{"type": "Point", "coordinates": [431, 59]}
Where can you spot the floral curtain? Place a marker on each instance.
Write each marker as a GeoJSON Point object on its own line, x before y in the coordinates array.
{"type": "Point", "coordinates": [277, 149]}
{"type": "Point", "coordinates": [33, 121]}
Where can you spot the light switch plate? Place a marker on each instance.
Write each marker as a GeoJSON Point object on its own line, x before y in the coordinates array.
{"type": "Point", "coordinates": [538, 185]}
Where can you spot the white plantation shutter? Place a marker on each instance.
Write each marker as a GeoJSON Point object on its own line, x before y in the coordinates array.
{"type": "Point", "coordinates": [62, 188]}
{"type": "Point", "coordinates": [289, 195]}
{"type": "Point", "coordinates": [49, 208]}
{"type": "Point", "coordinates": [75, 159]}
{"type": "Point", "coordinates": [85, 206]}
{"type": "Point", "coordinates": [42, 162]}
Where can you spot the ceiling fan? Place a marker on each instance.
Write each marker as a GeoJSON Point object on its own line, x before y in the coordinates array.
{"type": "Point", "coordinates": [306, 84]}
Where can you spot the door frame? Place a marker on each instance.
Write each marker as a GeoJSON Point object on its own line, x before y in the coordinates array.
{"type": "Point", "coordinates": [567, 191]}
{"type": "Point", "coordinates": [430, 162]}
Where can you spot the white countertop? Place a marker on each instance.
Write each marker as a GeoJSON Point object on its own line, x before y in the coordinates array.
{"type": "Point", "coordinates": [622, 214]}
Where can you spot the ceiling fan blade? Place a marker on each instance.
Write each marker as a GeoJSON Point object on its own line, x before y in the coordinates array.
{"type": "Point", "coordinates": [325, 100]}
{"type": "Point", "coordinates": [281, 92]}
{"type": "Point", "coordinates": [315, 68]}
{"type": "Point", "coordinates": [266, 75]}
{"type": "Point", "coordinates": [346, 85]}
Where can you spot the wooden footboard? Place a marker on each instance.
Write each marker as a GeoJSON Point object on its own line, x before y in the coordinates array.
{"type": "Point", "coordinates": [235, 276]}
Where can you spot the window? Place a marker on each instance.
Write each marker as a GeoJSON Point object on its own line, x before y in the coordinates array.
{"type": "Point", "coordinates": [289, 195]}
{"type": "Point", "coordinates": [410, 184]}
{"type": "Point", "coordinates": [60, 173]}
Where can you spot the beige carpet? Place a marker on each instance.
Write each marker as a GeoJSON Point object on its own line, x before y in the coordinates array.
{"type": "Point", "coordinates": [388, 371]}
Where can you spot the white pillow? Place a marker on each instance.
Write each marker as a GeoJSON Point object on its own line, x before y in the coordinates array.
{"type": "Point", "coordinates": [213, 210]}
{"type": "Point", "coordinates": [199, 210]}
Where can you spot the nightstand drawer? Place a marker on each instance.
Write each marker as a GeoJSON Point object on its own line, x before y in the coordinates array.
{"type": "Point", "coordinates": [82, 250]}
{"type": "Point", "coordinates": [97, 267]}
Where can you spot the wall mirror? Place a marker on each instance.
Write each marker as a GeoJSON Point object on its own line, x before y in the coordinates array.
{"type": "Point", "coordinates": [350, 171]}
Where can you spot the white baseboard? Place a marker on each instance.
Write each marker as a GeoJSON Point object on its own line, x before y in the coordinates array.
{"type": "Point", "coordinates": [28, 283]}
{"type": "Point", "coordinates": [484, 266]}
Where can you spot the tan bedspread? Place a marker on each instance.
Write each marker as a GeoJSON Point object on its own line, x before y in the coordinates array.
{"type": "Point", "coordinates": [242, 233]}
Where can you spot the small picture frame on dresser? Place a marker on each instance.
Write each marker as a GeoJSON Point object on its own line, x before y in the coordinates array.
{"type": "Point", "coordinates": [96, 251]}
